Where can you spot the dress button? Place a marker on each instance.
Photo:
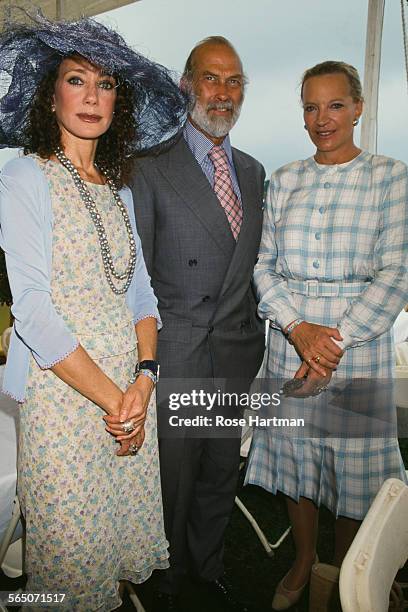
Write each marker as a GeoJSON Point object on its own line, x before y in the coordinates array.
{"type": "Point", "coordinates": [210, 329]}
{"type": "Point", "coordinates": [321, 210]}
{"type": "Point", "coordinates": [192, 262]}
{"type": "Point", "coordinates": [327, 185]}
{"type": "Point", "coordinates": [206, 298]}
{"type": "Point", "coordinates": [318, 235]}
{"type": "Point", "coordinates": [316, 263]}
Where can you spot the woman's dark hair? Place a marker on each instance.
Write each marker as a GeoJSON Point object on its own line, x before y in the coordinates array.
{"type": "Point", "coordinates": [113, 153]}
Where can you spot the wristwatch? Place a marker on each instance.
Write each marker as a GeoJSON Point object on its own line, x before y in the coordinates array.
{"type": "Point", "coordinates": [149, 368]}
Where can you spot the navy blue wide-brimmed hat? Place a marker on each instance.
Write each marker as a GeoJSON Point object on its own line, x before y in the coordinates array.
{"type": "Point", "coordinates": [29, 50]}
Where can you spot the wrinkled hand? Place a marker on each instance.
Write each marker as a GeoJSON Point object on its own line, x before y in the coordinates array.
{"type": "Point", "coordinates": [134, 408]}
{"type": "Point", "coordinates": [311, 340]}
{"type": "Point", "coordinates": [313, 381]}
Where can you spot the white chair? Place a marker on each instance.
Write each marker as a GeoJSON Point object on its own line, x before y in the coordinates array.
{"type": "Point", "coordinates": [11, 553]}
{"type": "Point", "coordinates": [378, 551]}
{"type": "Point", "coordinates": [11, 546]}
{"type": "Point", "coordinates": [269, 547]}
{"type": "Point", "coordinates": [12, 564]}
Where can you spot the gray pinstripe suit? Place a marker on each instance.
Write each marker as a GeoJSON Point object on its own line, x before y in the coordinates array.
{"type": "Point", "coordinates": [202, 279]}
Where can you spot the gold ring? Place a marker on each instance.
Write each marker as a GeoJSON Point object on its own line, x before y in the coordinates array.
{"type": "Point", "coordinates": [317, 359]}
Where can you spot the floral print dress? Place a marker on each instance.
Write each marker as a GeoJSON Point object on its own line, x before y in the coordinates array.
{"type": "Point", "coordinates": [92, 518]}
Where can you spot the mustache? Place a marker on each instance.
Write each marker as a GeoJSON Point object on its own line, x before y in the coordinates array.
{"type": "Point", "coordinates": [227, 105]}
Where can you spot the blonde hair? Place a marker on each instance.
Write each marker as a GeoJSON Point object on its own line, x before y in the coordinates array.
{"type": "Point", "coordinates": [334, 67]}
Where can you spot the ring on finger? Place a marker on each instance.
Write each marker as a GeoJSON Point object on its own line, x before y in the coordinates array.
{"type": "Point", "coordinates": [133, 449]}
{"type": "Point", "coordinates": [319, 390]}
{"type": "Point", "coordinates": [316, 358]}
{"type": "Point", "coordinates": [128, 426]}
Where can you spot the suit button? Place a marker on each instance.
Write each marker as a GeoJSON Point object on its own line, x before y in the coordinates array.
{"type": "Point", "coordinates": [206, 298]}
{"type": "Point", "coordinates": [210, 329]}
{"type": "Point", "coordinates": [192, 262]}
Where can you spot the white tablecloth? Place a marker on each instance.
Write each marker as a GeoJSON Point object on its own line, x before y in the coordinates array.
{"type": "Point", "coordinates": [8, 456]}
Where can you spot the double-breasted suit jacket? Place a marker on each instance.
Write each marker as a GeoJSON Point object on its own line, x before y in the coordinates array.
{"type": "Point", "coordinates": [200, 275]}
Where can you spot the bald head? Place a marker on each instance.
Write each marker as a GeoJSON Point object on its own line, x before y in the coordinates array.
{"type": "Point", "coordinates": [200, 48]}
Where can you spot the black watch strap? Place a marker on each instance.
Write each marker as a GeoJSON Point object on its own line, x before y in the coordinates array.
{"type": "Point", "coordinates": [148, 364]}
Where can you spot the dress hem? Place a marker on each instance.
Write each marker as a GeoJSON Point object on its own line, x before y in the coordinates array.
{"type": "Point", "coordinates": [87, 603]}
{"type": "Point", "coordinates": [318, 504]}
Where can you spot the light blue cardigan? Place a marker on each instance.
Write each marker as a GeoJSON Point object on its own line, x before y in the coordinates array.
{"type": "Point", "coordinates": [26, 222]}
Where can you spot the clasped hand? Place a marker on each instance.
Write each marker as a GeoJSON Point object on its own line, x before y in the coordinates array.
{"type": "Point", "coordinates": [134, 408]}
{"type": "Point", "coordinates": [320, 356]}
{"type": "Point", "coordinates": [315, 346]}
{"type": "Point", "coordinates": [313, 383]}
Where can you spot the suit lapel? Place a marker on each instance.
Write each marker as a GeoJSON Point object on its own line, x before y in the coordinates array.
{"type": "Point", "coordinates": [184, 173]}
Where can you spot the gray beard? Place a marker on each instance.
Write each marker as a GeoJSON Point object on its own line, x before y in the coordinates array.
{"type": "Point", "coordinates": [217, 127]}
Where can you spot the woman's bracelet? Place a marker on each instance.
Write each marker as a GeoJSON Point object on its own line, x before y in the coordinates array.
{"type": "Point", "coordinates": [146, 367]}
{"type": "Point", "coordinates": [292, 326]}
{"type": "Point", "coordinates": [146, 373]}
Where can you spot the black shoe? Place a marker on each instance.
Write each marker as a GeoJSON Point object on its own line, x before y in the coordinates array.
{"type": "Point", "coordinates": [223, 593]}
{"type": "Point", "coordinates": [165, 602]}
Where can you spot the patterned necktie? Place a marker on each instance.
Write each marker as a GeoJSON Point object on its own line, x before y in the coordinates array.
{"type": "Point", "coordinates": [224, 191]}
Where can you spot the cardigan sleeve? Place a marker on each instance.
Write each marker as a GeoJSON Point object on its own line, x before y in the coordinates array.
{"type": "Point", "coordinates": [140, 296]}
{"type": "Point", "coordinates": [24, 224]}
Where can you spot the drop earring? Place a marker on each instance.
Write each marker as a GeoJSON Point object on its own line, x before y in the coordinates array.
{"type": "Point", "coordinates": [355, 122]}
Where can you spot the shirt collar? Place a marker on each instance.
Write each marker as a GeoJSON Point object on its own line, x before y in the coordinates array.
{"type": "Point", "coordinates": [200, 145]}
{"type": "Point", "coordinates": [362, 158]}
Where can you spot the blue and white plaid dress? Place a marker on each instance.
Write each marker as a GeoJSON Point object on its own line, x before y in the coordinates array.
{"type": "Point", "coordinates": [346, 225]}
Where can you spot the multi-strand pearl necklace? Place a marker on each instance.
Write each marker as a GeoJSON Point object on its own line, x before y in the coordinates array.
{"type": "Point", "coordinates": [88, 200]}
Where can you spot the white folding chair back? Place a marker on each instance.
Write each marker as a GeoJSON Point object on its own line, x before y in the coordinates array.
{"type": "Point", "coordinates": [8, 534]}
{"type": "Point", "coordinates": [269, 547]}
{"type": "Point", "coordinates": [378, 551]}
{"type": "Point", "coordinates": [12, 565]}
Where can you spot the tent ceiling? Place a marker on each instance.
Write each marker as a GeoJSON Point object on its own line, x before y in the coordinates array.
{"type": "Point", "coordinates": [64, 9]}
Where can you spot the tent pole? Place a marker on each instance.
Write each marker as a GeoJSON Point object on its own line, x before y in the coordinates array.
{"type": "Point", "coordinates": [375, 20]}
{"type": "Point", "coordinates": [58, 10]}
